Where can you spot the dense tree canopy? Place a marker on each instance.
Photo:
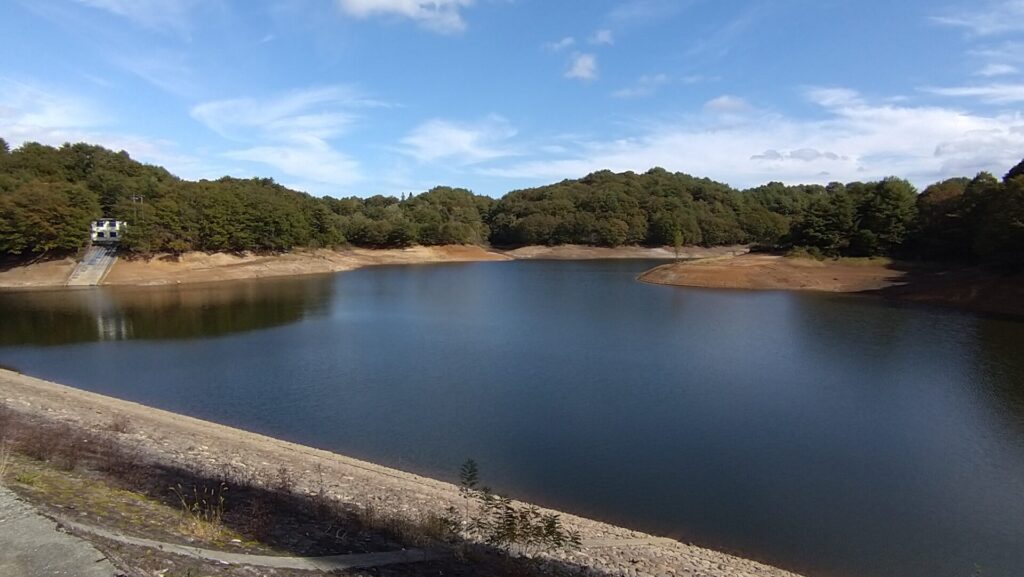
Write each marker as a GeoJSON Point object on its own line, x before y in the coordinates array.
{"type": "Point", "coordinates": [48, 195]}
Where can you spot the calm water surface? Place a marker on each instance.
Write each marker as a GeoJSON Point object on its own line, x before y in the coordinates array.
{"type": "Point", "coordinates": [837, 436]}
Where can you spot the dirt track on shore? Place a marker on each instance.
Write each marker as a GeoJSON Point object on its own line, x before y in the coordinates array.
{"type": "Point", "coordinates": [199, 267]}
{"type": "Point", "coordinates": [207, 447]}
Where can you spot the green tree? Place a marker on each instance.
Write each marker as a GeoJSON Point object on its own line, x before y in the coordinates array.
{"type": "Point", "coordinates": [999, 219]}
{"type": "Point", "coordinates": [42, 217]}
{"type": "Point", "coordinates": [1015, 172]}
{"type": "Point", "coordinates": [941, 229]}
{"type": "Point", "coordinates": [885, 214]}
{"type": "Point", "coordinates": [827, 224]}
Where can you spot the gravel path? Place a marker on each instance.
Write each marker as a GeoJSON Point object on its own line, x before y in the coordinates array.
{"type": "Point", "coordinates": [32, 545]}
{"type": "Point", "coordinates": [325, 563]}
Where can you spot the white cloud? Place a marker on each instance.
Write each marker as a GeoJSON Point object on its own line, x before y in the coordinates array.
{"type": "Point", "coordinates": [699, 78]}
{"type": "Point", "coordinates": [726, 104]}
{"type": "Point", "coordinates": [998, 17]}
{"type": "Point", "coordinates": [292, 132]}
{"type": "Point", "coordinates": [997, 70]}
{"type": "Point", "coordinates": [644, 86]}
{"type": "Point", "coordinates": [856, 140]}
{"type": "Point", "coordinates": [991, 93]}
{"type": "Point", "coordinates": [719, 43]}
{"type": "Point", "coordinates": [834, 97]}
{"type": "Point", "coordinates": [1002, 52]}
{"type": "Point", "coordinates": [323, 169]}
{"type": "Point", "coordinates": [324, 113]}
{"type": "Point", "coordinates": [30, 113]}
{"type": "Point", "coordinates": [636, 12]}
{"type": "Point", "coordinates": [168, 71]}
{"type": "Point", "coordinates": [460, 143]}
{"type": "Point", "coordinates": [804, 154]}
{"type": "Point", "coordinates": [154, 14]}
{"type": "Point", "coordinates": [603, 37]}
{"type": "Point", "coordinates": [438, 15]}
{"type": "Point", "coordinates": [582, 66]}
{"type": "Point", "coordinates": [560, 45]}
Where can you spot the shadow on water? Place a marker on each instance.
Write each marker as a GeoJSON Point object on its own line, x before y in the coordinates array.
{"type": "Point", "coordinates": [64, 317]}
{"type": "Point", "coordinates": [990, 290]}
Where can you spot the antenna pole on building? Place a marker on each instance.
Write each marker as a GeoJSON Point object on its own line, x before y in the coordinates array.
{"type": "Point", "coordinates": [137, 199]}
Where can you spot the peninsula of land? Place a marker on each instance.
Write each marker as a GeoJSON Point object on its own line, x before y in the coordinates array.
{"type": "Point", "coordinates": [979, 289]}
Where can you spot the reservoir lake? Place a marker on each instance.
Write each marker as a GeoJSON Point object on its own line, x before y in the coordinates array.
{"type": "Point", "coordinates": [833, 435]}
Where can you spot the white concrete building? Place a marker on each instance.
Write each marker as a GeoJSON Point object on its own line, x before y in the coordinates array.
{"type": "Point", "coordinates": [108, 230]}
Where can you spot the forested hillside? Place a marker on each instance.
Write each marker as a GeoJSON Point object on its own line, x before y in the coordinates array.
{"type": "Point", "coordinates": [48, 195]}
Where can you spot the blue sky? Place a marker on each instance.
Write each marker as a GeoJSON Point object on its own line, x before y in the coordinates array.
{"type": "Point", "coordinates": [362, 97]}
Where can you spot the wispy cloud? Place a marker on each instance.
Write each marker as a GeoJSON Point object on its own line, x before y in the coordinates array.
{"type": "Point", "coordinates": [314, 162]}
{"type": "Point", "coordinates": [157, 15]}
{"type": "Point", "coordinates": [644, 86]}
{"type": "Point", "coordinates": [167, 70]}
{"type": "Point", "coordinates": [699, 79]}
{"type": "Point", "coordinates": [292, 132]}
{"type": "Point", "coordinates": [637, 12]}
{"type": "Point", "coordinates": [559, 45]}
{"type": "Point", "coordinates": [720, 42]}
{"type": "Point", "coordinates": [165, 65]}
{"type": "Point", "coordinates": [804, 154]}
{"type": "Point", "coordinates": [582, 66]}
{"type": "Point", "coordinates": [460, 143]}
{"type": "Point", "coordinates": [831, 97]}
{"type": "Point", "coordinates": [442, 16]}
{"type": "Point", "coordinates": [856, 140]}
{"type": "Point", "coordinates": [1002, 52]}
{"type": "Point", "coordinates": [997, 70]}
{"type": "Point", "coordinates": [29, 112]}
{"type": "Point", "coordinates": [726, 103]}
{"type": "Point", "coordinates": [1000, 17]}
{"type": "Point", "coordinates": [323, 112]}
{"type": "Point", "coordinates": [32, 113]}
{"type": "Point", "coordinates": [990, 93]}
{"type": "Point", "coordinates": [604, 36]}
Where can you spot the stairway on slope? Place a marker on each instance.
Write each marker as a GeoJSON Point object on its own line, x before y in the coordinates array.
{"type": "Point", "coordinates": [93, 267]}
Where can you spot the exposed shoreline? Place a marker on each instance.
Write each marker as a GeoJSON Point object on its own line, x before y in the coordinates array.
{"type": "Point", "coordinates": [771, 272]}
{"type": "Point", "coordinates": [204, 446]}
{"type": "Point", "coordinates": [198, 267]}
{"type": "Point", "coordinates": [976, 289]}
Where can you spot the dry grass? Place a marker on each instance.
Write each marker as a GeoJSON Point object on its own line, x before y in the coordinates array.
{"type": "Point", "coordinates": [202, 512]}
{"type": "Point", "coordinates": [119, 424]}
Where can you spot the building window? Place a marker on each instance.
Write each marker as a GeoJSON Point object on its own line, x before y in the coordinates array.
{"type": "Point", "coordinates": [101, 234]}
{"type": "Point", "coordinates": [113, 234]}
